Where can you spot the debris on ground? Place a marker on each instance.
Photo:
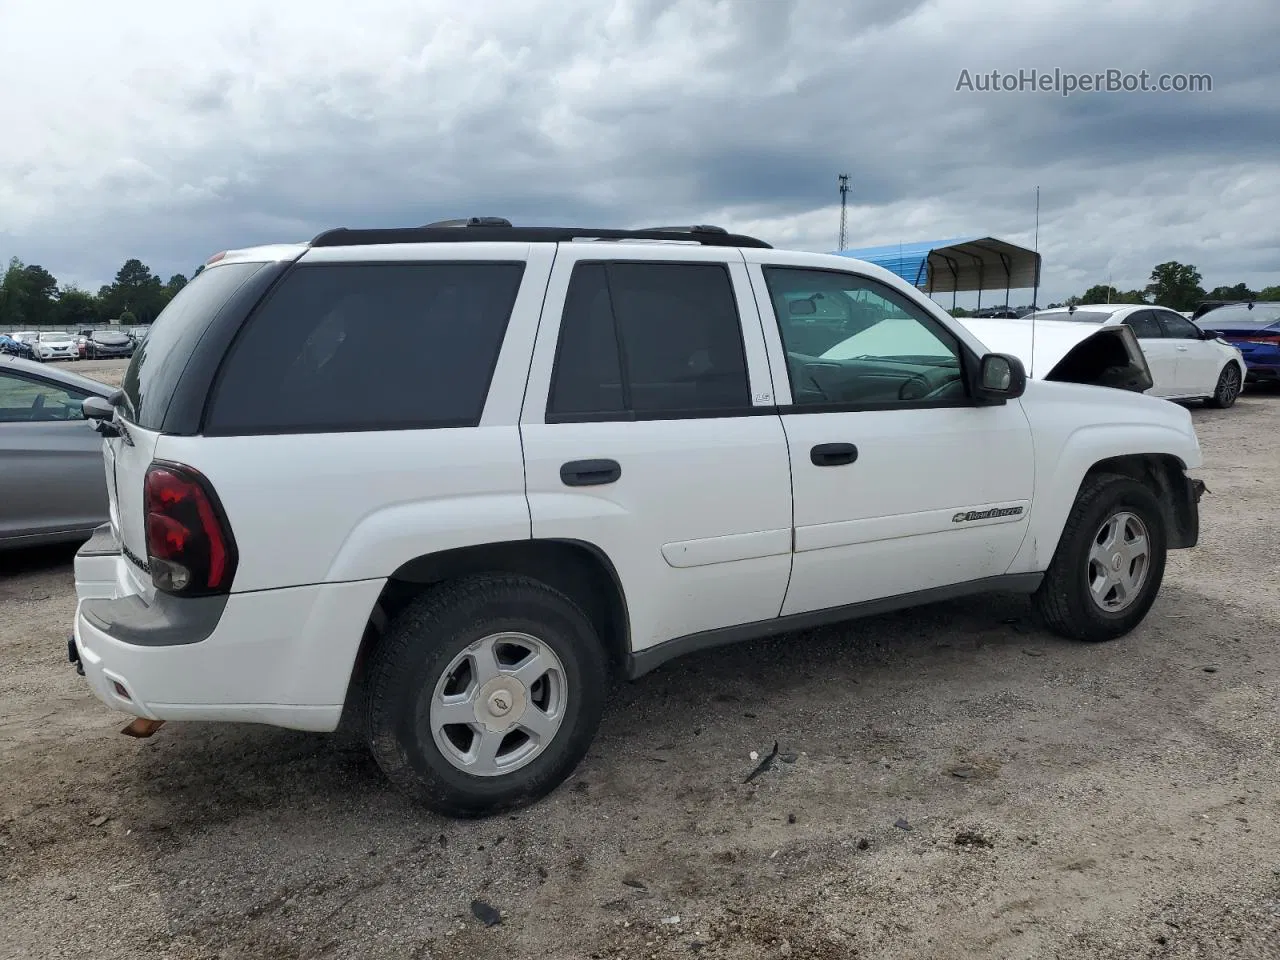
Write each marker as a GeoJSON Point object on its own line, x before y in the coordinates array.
{"type": "Point", "coordinates": [670, 921]}
{"type": "Point", "coordinates": [765, 764]}
{"type": "Point", "coordinates": [633, 882]}
{"type": "Point", "coordinates": [901, 823]}
{"type": "Point", "coordinates": [863, 843]}
{"type": "Point", "coordinates": [1032, 652]}
{"type": "Point", "coordinates": [99, 821]}
{"type": "Point", "coordinates": [972, 838]}
{"type": "Point", "coordinates": [485, 913]}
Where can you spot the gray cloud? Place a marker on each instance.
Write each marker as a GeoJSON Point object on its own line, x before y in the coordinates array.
{"type": "Point", "coordinates": [261, 124]}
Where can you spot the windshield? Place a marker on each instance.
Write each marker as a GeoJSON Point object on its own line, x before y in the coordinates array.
{"type": "Point", "coordinates": [55, 338]}
{"type": "Point", "coordinates": [1238, 316]}
{"type": "Point", "coordinates": [1075, 316]}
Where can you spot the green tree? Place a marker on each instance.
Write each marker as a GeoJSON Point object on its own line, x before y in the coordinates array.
{"type": "Point", "coordinates": [176, 283]}
{"type": "Point", "coordinates": [136, 290]}
{"type": "Point", "coordinates": [1100, 293]}
{"type": "Point", "coordinates": [40, 289]}
{"type": "Point", "coordinates": [75, 307]}
{"type": "Point", "coordinates": [1176, 286]}
{"type": "Point", "coordinates": [1239, 292]}
{"type": "Point", "coordinates": [1271, 294]}
{"type": "Point", "coordinates": [127, 319]}
{"type": "Point", "coordinates": [13, 296]}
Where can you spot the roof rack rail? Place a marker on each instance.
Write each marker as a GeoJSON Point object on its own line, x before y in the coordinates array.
{"type": "Point", "coordinates": [497, 230]}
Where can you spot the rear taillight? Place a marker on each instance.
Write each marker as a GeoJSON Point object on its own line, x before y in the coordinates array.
{"type": "Point", "coordinates": [189, 545]}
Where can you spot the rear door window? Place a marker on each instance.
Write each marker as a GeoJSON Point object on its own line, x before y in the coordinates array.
{"type": "Point", "coordinates": [649, 341]}
{"type": "Point", "coordinates": [1144, 324]}
{"type": "Point", "coordinates": [341, 347]}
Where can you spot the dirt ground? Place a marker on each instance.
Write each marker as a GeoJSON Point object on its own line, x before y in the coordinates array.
{"type": "Point", "coordinates": [1053, 799]}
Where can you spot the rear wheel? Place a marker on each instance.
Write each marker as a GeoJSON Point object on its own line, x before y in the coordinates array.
{"type": "Point", "coordinates": [1228, 389]}
{"type": "Point", "coordinates": [484, 694]}
{"type": "Point", "coordinates": [1109, 564]}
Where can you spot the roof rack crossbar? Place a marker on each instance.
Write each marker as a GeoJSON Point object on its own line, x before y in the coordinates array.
{"type": "Point", "coordinates": [693, 228]}
{"type": "Point", "coordinates": [471, 222]}
{"type": "Point", "coordinates": [496, 230]}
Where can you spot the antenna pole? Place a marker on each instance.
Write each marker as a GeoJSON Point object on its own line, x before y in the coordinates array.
{"type": "Point", "coordinates": [843, 180]}
{"type": "Point", "coordinates": [1035, 293]}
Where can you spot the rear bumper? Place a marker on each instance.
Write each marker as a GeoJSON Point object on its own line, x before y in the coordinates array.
{"type": "Point", "coordinates": [280, 657]}
{"type": "Point", "coordinates": [1261, 372]}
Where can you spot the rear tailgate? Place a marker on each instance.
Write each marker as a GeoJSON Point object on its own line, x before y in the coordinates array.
{"type": "Point", "coordinates": [127, 458]}
{"type": "Point", "coordinates": [161, 368]}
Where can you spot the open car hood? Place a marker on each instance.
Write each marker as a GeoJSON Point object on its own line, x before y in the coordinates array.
{"type": "Point", "coordinates": [1069, 352]}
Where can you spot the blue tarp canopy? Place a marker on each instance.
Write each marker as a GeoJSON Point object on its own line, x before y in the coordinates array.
{"type": "Point", "coordinates": [957, 265]}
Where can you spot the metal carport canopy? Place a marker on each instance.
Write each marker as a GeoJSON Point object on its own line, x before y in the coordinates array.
{"type": "Point", "coordinates": [960, 264]}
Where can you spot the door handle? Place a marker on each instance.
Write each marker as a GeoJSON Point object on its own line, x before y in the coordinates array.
{"type": "Point", "coordinates": [1182, 349]}
{"type": "Point", "coordinates": [589, 473]}
{"type": "Point", "coordinates": [833, 454]}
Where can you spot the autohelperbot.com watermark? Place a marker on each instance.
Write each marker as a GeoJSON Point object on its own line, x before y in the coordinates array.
{"type": "Point", "coordinates": [1065, 82]}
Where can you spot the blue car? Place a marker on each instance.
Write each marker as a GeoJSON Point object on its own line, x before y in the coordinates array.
{"type": "Point", "coordinates": [1254, 329]}
{"type": "Point", "coordinates": [16, 348]}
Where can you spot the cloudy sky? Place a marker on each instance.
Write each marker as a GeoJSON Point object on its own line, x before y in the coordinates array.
{"type": "Point", "coordinates": [171, 131]}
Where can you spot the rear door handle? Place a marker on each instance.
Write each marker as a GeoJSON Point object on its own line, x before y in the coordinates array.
{"type": "Point", "coordinates": [589, 473]}
{"type": "Point", "coordinates": [1182, 349]}
{"type": "Point", "coordinates": [833, 454]}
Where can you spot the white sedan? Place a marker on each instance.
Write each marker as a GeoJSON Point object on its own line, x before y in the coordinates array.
{"type": "Point", "coordinates": [1186, 363]}
{"type": "Point", "coordinates": [56, 346]}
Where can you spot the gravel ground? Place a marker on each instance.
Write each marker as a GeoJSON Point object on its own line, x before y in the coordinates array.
{"type": "Point", "coordinates": [1053, 799]}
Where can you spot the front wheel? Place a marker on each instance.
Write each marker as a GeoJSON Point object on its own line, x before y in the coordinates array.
{"type": "Point", "coordinates": [1228, 389]}
{"type": "Point", "coordinates": [484, 694]}
{"type": "Point", "coordinates": [1109, 564]}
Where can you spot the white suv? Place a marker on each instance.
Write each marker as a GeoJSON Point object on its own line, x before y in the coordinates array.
{"type": "Point", "coordinates": [455, 476]}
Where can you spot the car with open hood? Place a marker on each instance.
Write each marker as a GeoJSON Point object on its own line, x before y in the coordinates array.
{"type": "Point", "coordinates": [1185, 362]}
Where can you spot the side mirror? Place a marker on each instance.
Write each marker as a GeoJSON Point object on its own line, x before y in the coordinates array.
{"type": "Point", "coordinates": [1001, 377]}
{"type": "Point", "coordinates": [802, 308]}
{"type": "Point", "coordinates": [96, 408]}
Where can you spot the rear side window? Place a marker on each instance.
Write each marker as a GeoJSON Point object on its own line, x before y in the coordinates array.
{"type": "Point", "coordinates": [340, 347]}
{"type": "Point", "coordinates": [1144, 325]}
{"type": "Point", "coordinates": [648, 341]}
{"type": "Point", "coordinates": [159, 361]}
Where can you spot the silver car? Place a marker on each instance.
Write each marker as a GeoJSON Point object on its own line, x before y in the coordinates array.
{"type": "Point", "coordinates": [53, 484]}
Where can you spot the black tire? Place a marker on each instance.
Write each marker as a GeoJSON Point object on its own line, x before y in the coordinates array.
{"type": "Point", "coordinates": [1064, 601]}
{"type": "Point", "coordinates": [1228, 389]}
{"type": "Point", "coordinates": [416, 650]}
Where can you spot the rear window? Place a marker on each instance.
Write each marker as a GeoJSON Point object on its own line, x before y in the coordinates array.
{"type": "Point", "coordinates": [340, 347]}
{"type": "Point", "coordinates": [159, 361]}
{"type": "Point", "coordinates": [1076, 316]}
{"type": "Point", "coordinates": [1240, 317]}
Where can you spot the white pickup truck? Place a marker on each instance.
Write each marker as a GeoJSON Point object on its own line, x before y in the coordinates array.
{"type": "Point", "coordinates": [590, 452]}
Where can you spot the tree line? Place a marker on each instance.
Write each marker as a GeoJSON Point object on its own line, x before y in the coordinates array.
{"type": "Point", "coordinates": [1173, 285]}
{"type": "Point", "coordinates": [30, 296]}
